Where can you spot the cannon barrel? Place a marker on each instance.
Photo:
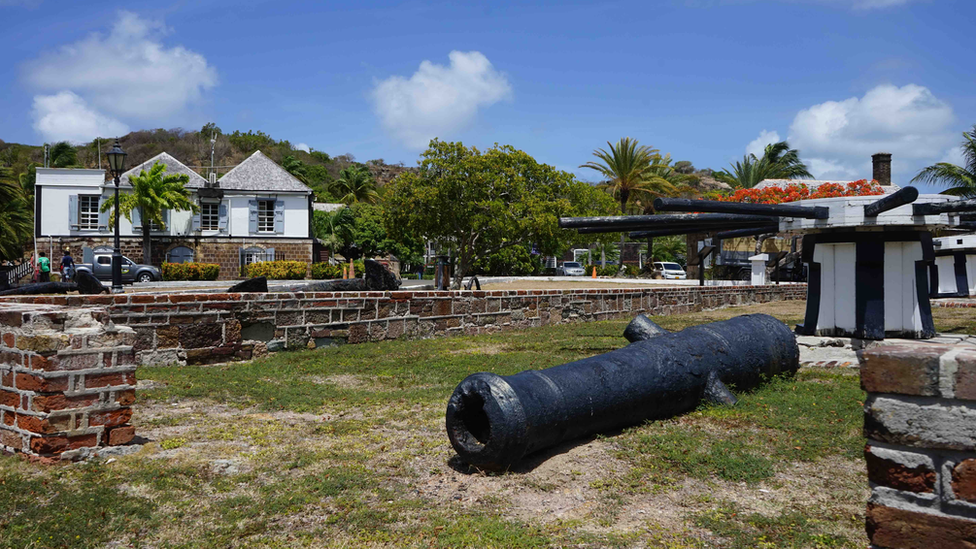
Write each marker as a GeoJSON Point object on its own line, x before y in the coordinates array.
{"type": "Point", "coordinates": [747, 231]}
{"type": "Point", "coordinates": [493, 421]}
{"type": "Point", "coordinates": [627, 222]}
{"type": "Point", "coordinates": [900, 197]}
{"type": "Point", "coordinates": [950, 206]}
{"type": "Point", "coordinates": [688, 205]}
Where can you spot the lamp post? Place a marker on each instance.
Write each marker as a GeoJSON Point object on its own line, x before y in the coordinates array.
{"type": "Point", "coordinates": [116, 163]}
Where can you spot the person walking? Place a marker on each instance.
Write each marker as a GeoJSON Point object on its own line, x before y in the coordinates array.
{"type": "Point", "coordinates": [44, 267]}
{"type": "Point", "coordinates": [67, 266]}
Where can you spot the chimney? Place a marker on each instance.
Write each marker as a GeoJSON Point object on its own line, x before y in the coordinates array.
{"type": "Point", "coordinates": [882, 168]}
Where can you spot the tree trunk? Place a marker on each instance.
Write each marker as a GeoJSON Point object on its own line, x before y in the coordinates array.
{"type": "Point", "coordinates": [623, 235]}
{"type": "Point", "coordinates": [589, 254]}
{"type": "Point", "coordinates": [603, 256]}
{"type": "Point", "coordinates": [650, 251]}
{"type": "Point", "coordinates": [146, 241]}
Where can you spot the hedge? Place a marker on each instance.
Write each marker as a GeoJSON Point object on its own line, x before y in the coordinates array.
{"type": "Point", "coordinates": [328, 271]}
{"type": "Point", "coordinates": [190, 271]}
{"type": "Point", "coordinates": [278, 270]}
{"type": "Point", "coordinates": [609, 270]}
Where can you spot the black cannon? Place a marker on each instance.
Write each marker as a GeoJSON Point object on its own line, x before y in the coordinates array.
{"type": "Point", "coordinates": [493, 421]}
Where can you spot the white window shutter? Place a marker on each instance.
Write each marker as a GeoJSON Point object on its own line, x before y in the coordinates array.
{"type": "Point", "coordinates": [196, 219]}
{"type": "Point", "coordinates": [269, 254]}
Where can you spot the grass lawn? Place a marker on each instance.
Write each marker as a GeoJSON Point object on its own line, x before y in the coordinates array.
{"type": "Point", "coordinates": [345, 447]}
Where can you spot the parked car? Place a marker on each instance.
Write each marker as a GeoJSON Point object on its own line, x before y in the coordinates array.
{"type": "Point", "coordinates": [101, 268]}
{"type": "Point", "coordinates": [669, 271]}
{"type": "Point", "coordinates": [571, 268]}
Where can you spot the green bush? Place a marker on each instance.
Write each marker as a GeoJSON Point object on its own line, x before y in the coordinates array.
{"type": "Point", "coordinates": [608, 270]}
{"type": "Point", "coordinates": [631, 271]}
{"type": "Point", "coordinates": [190, 271]}
{"type": "Point", "coordinates": [278, 270]}
{"type": "Point", "coordinates": [326, 271]}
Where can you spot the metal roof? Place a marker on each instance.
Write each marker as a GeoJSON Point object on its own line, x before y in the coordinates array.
{"type": "Point", "coordinates": [172, 166]}
{"type": "Point", "coordinates": [258, 173]}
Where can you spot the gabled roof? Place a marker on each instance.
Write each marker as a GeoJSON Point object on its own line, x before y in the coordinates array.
{"type": "Point", "coordinates": [812, 184]}
{"type": "Point", "coordinates": [258, 173]}
{"type": "Point", "coordinates": [172, 166]}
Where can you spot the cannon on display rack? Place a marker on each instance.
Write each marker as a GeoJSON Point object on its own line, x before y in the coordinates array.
{"type": "Point", "coordinates": [493, 421]}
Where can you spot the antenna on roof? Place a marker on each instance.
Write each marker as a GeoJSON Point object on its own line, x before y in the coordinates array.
{"type": "Point", "coordinates": [213, 144]}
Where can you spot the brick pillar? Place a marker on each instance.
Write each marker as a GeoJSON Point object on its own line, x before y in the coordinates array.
{"type": "Point", "coordinates": [881, 168]}
{"type": "Point", "coordinates": [67, 381]}
{"type": "Point", "coordinates": [920, 421]}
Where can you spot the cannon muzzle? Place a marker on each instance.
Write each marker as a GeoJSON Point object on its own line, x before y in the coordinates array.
{"type": "Point", "coordinates": [493, 421]}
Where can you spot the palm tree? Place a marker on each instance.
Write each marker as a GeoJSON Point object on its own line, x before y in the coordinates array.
{"type": "Point", "coordinates": [295, 167]}
{"type": "Point", "coordinates": [26, 181]}
{"type": "Point", "coordinates": [334, 229]}
{"type": "Point", "coordinates": [778, 161]}
{"type": "Point", "coordinates": [16, 219]}
{"type": "Point", "coordinates": [355, 184]}
{"type": "Point", "coordinates": [153, 193]}
{"type": "Point", "coordinates": [961, 180]}
{"type": "Point", "coordinates": [629, 170]}
{"type": "Point", "coordinates": [62, 155]}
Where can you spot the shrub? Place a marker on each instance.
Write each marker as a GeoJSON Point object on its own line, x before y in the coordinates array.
{"type": "Point", "coordinates": [326, 271]}
{"type": "Point", "coordinates": [608, 270]}
{"type": "Point", "coordinates": [631, 271]}
{"type": "Point", "coordinates": [278, 270]}
{"type": "Point", "coordinates": [190, 271]}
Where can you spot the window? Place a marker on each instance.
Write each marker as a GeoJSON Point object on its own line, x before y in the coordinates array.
{"type": "Point", "coordinates": [88, 212]}
{"type": "Point", "coordinates": [210, 216]}
{"type": "Point", "coordinates": [265, 216]}
{"type": "Point", "coordinates": [254, 255]}
{"type": "Point", "coordinates": [104, 260]}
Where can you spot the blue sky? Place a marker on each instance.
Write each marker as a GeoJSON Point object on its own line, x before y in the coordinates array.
{"type": "Point", "coordinates": [705, 80]}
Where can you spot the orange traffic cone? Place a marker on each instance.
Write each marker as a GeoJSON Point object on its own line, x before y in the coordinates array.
{"type": "Point", "coordinates": [345, 273]}
{"type": "Point", "coordinates": [352, 270]}
{"type": "Point", "coordinates": [594, 271]}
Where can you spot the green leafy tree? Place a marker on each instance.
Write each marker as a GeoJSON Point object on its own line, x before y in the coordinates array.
{"type": "Point", "coordinates": [152, 193]}
{"type": "Point", "coordinates": [479, 203]}
{"type": "Point", "coordinates": [295, 167]}
{"type": "Point", "coordinates": [632, 171]}
{"type": "Point", "coordinates": [355, 184]}
{"type": "Point", "coordinates": [671, 248]}
{"type": "Point", "coordinates": [961, 180]}
{"type": "Point", "coordinates": [62, 155]}
{"type": "Point", "coordinates": [16, 217]}
{"type": "Point", "coordinates": [779, 161]}
{"type": "Point", "coordinates": [334, 229]}
{"type": "Point", "coordinates": [26, 180]}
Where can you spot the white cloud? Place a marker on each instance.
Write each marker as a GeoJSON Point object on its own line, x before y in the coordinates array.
{"type": "Point", "coordinates": [954, 156]}
{"type": "Point", "coordinates": [758, 145]}
{"type": "Point", "coordinates": [66, 117]}
{"type": "Point", "coordinates": [437, 100]}
{"type": "Point", "coordinates": [129, 72]}
{"type": "Point", "coordinates": [909, 122]}
{"type": "Point", "coordinates": [302, 147]}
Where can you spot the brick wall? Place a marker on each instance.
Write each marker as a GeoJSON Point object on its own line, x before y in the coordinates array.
{"type": "Point", "coordinates": [920, 421]}
{"type": "Point", "coordinates": [67, 380]}
{"type": "Point", "coordinates": [220, 327]}
{"type": "Point", "coordinates": [222, 251]}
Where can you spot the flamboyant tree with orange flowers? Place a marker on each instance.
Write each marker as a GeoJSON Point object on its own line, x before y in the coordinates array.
{"type": "Point", "coordinates": [799, 191]}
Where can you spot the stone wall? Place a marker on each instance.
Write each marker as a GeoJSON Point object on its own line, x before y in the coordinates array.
{"type": "Point", "coordinates": [222, 251]}
{"type": "Point", "coordinates": [219, 327]}
{"type": "Point", "coordinates": [920, 421]}
{"type": "Point", "coordinates": [67, 380]}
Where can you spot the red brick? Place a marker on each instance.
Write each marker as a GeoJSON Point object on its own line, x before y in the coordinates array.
{"type": "Point", "coordinates": [143, 299]}
{"type": "Point", "coordinates": [899, 529]}
{"type": "Point", "coordinates": [903, 369]}
{"type": "Point", "coordinates": [48, 403]}
{"type": "Point", "coordinates": [83, 441]}
{"type": "Point", "coordinates": [93, 381]}
{"type": "Point", "coordinates": [31, 382]}
{"type": "Point", "coordinates": [8, 398]}
{"type": "Point", "coordinates": [110, 419]}
{"type": "Point", "coordinates": [9, 339]}
{"type": "Point", "coordinates": [43, 425]}
{"type": "Point", "coordinates": [48, 445]}
{"type": "Point", "coordinates": [126, 398]}
{"type": "Point", "coordinates": [10, 438]}
{"type": "Point", "coordinates": [895, 475]}
{"type": "Point", "coordinates": [11, 318]}
{"type": "Point", "coordinates": [9, 418]}
{"type": "Point", "coordinates": [44, 363]}
{"type": "Point", "coordinates": [121, 435]}
{"type": "Point", "coordinates": [964, 480]}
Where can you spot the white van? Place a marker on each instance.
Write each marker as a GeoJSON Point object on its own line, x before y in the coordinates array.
{"type": "Point", "coordinates": [669, 271]}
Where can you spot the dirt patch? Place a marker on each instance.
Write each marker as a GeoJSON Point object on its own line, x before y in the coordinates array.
{"type": "Point", "coordinates": [481, 349]}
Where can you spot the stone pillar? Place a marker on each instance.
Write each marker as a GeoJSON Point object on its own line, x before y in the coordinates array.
{"type": "Point", "coordinates": [920, 422]}
{"type": "Point", "coordinates": [67, 381]}
{"type": "Point", "coordinates": [881, 163]}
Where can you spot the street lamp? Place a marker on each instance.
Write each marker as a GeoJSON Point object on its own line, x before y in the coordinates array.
{"type": "Point", "coordinates": [116, 163]}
